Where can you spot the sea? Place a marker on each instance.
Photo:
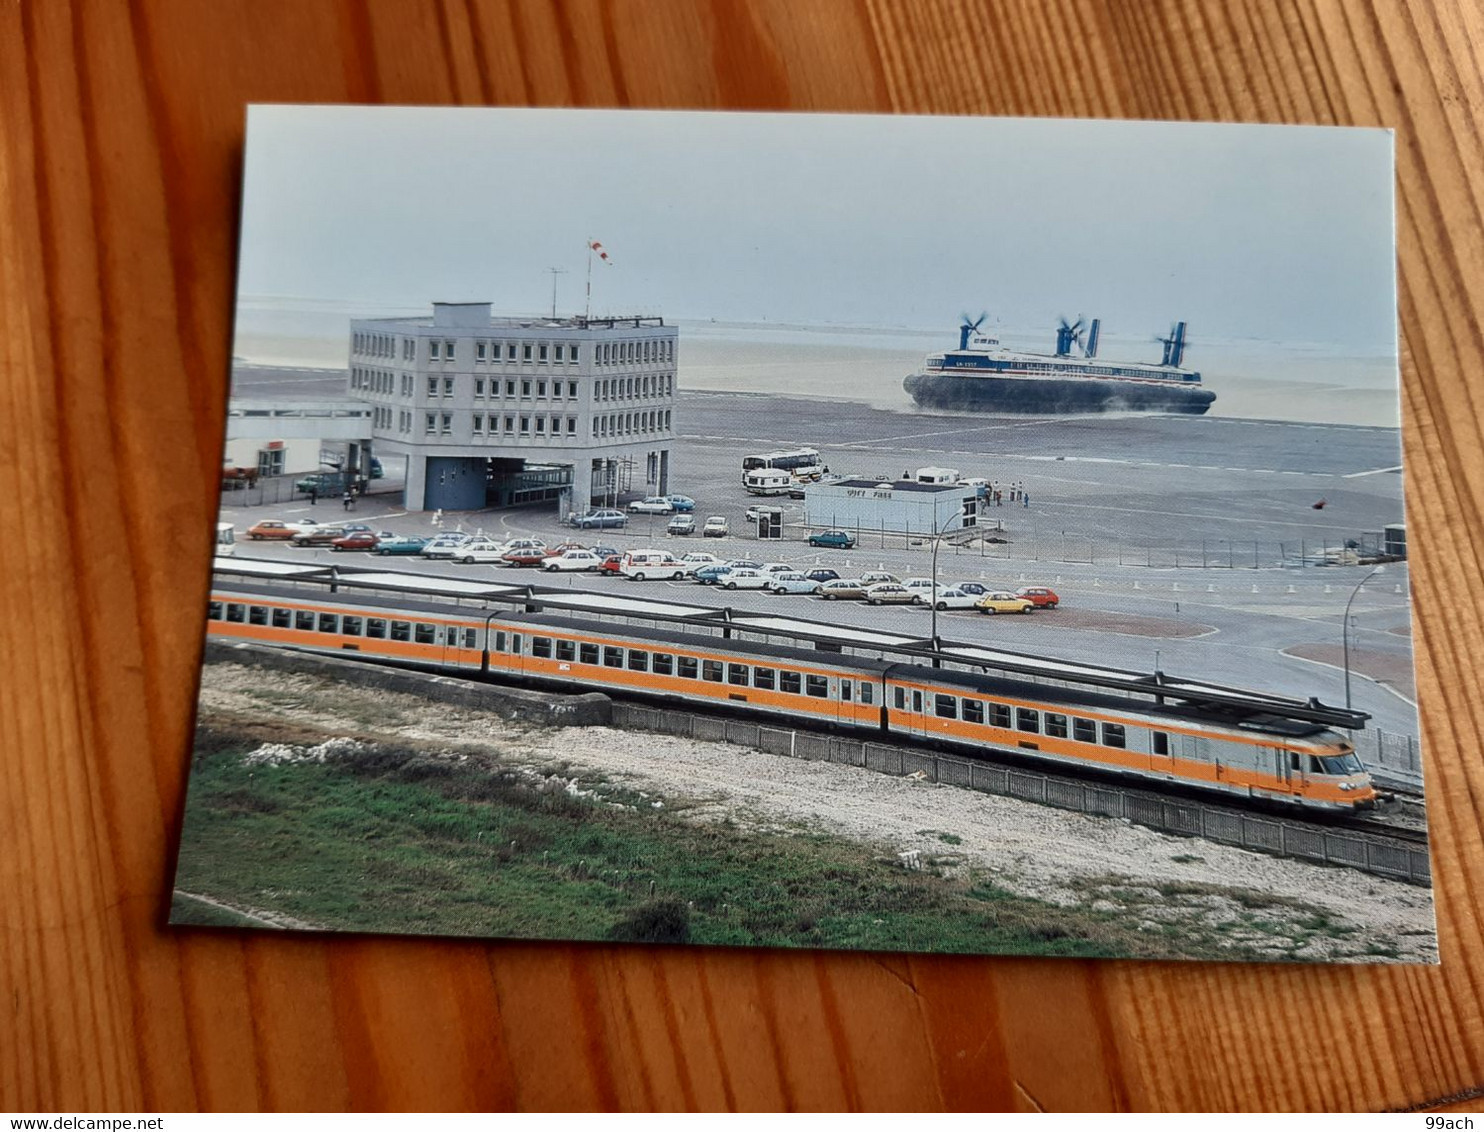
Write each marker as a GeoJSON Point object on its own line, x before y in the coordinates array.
{"type": "Point", "coordinates": [1252, 378]}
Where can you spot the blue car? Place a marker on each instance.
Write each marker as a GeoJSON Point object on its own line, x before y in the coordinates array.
{"type": "Point", "coordinates": [682, 503]}
{"type": "Point", "coordinates": [401, 544]}
{"type": "Point", "coordinates": [710, 575]}
{"type": "Point", "coordinates": [840, 540]}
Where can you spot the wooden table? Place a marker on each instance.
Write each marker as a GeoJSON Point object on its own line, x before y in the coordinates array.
{"type": "Point", "coordinates": [121, 130]}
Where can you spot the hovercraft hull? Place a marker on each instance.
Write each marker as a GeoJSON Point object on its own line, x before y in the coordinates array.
{"type": "Point", "coordinates": [1052, 396]}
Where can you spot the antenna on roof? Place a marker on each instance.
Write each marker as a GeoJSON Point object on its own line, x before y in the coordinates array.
{"type": "Point", "coordinates": [555, 271]}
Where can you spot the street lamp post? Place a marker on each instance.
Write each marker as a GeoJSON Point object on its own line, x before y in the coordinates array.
{"type": "Point", "coordinates": [933, 593]}
{"type": "Point", "coordinates": [1345, 629]}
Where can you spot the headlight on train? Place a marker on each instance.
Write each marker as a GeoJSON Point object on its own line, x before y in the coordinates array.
{"type": "Point", "coordinates": [1347, 786]}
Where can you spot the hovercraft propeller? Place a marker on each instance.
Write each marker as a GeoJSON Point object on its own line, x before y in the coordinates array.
{"type": "Point", "coordinates": [969, 327]}
{"type": "Point", "coordinates": [1068, 335]}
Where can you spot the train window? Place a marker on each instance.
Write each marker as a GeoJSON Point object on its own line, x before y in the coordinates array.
{"type": "Point", "coordinates": [845, 691]}
{"type": "Point", "coordinates": [213, 611]}
{"type": "Point", "coordinates": [899, 697]}
{"type": "Point", "coordinates": [1056, 725]}
{"type": "Point", "coordinates": [282, 618]}
{"type": "Point", "coordinates": [764, 678]}
{"type": "Point", "coordinates": [1161, 742]}
{"type": "Point", "coordinates": [612, 657]}
{"type": "Point", "coordinates": [587, 654]}
{"type": "Point", "coordinates": [1113, 735]}
{"type": "Point", "coordinates": [375, 627]}
{"type": "Point", "coordinates": [541, 646]}
{"type": "Point", "coordinates": [566, 650]}
{"type": "Point", "coordinates": [350, 626]}
{"type": "Point", "coordinates": [817, 685]}
{"type": "Point", "coordinates": [515, 642]}
{"type": "Point", "coordinates": [664, 664]}
{"type": "Point", "coordinates": [973, 711]}
{"type": "Point", "coordinates": [1342, 764]}
{"type": "Point", "coordinates": [866, 695]}
{"type": "Point", "coordinates": [916, 700]}
{"type": "Point", "coordinates": [638, 661]}
{"type": "Point", "coordinates": [711, 670]}
{"type": "Point", "coordinates": [1314, 767]}
{"type": "Point", "coordinates": [257, 615]}
{"type": "Point", "coordinates": [303, 619]}
{"type": "Point", "coordinates": [401, 630]}
{"type": "Point", "coordinates": [469, 638]}
{"type": "Point", "coordinates": [1027, 719]}
{"type": "Point", "coordinates": [499, 642]}
{"type": "Point", "coordinates": [1084, 730]}
{"type": "Point", "coordinates": [945, 707]}
{"type": "Point", "coordinates": [790, 682]}
{"type": "Point", "coordinates": [237, 611]}
{"type": "Point", "coordinates": [686, 667]}
{"type": "Point", "coordinates": [328, 623]}
{"type": "Point", "coordinates": [425, 634]}
{"type": "Point", "coordinates": [737, 674]}
{"type": "Point", "coordinates": [999, 715]}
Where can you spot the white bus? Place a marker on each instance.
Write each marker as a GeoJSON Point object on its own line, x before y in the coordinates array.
{"type": "Point", "coordinates": [767, 481]}
{"type": "Point", "coordinates": [803, 464]}
{"type": "Point", "coordinates": [226, 539]}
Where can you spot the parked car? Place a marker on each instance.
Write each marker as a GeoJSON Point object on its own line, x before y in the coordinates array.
{"type": "Point", "coordinates": [710, 575]}
{"type": "Point", "coordinates": [922, 586]}
{"type": "Point", "coordinates": [949, 597]}
{"type": "Point", "coordinates": [716, 527]}
{"type": "Point", "coordinates": [605, 551]}
{"type": "Point", "coordinates": [754, 512]}
{"type": "Point", "coordinates": [682, 503]}
{"type": "Point", "coordinates": [876, 577]}
{"type": "Point", "coordinates": [778, 568]}
{"type": "Point", "coordinates": [558, 551]}
{"type": "Point", "coordinates": [796, 492]}
{"type": "Point", "coordinates": [821, 575]}
{"type": "Point", "coordinates": [889, 593]}
{"type": "Point", "coordinates": [572, 560]}
{"type": "Point", "coordinates": [273, 529]}
{"type": "Point", "coordinates": [479, 549]}
{"type": "Point", "coordinates": [445, 545]}
{"type": "Point", "coordinates": [972, 587]}
{"type": "Point", "coordinates": [639, 565]}
{"type": "Point", "coordinates": [839, 540]}
{"type": "Point", "coordinates": [1040, 596]}
{"type": "Point", "coordinates": [843, 589]}
{"type": "Point", "coordinates": [681, 525]}
{"type": "Point", "coordinates": [654, 505]}
{"type": "Point", "coordinates": [529, 555]}
{"type": "Point", "coordinates": [738, 579]}
{"type": "Point", "coordinates": [356, 540]}
{"type": "Point", "coordinates": [610, 564]}
{"type": "Point", "coordinates": [792, 582]}
{"type": "Point", "coordinates": [1002, 601]}
{"type": "Point", "coordinates": [325, 535]}
{"type": "Point", "coordinates": [694, 562]}
{"type": "Point", "coordinates": [400, 544]}
{"type": "Point", "coordinates": [600, 519]}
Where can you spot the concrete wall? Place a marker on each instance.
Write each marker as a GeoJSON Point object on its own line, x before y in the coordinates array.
{"type": "Point", "coordinates": [451, 483]}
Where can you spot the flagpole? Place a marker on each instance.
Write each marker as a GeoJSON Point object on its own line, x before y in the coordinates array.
{"type": "Point", "coordinates": [588, 311]}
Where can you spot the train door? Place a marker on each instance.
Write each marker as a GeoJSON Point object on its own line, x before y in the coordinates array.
{"type": "Point", "coordinates": [846, 691]}
{"type": "Point", "coordinates": [505, 650]}
{"type": "Point", "coordinates": [458, 647]}
{"type": "Point", "coordinates": [910, 706]}
{"type": "Point", "coordinates": [1162, 752]}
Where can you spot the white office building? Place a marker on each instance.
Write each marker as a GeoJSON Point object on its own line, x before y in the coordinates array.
{"type": "Point", "coordinates": [501, 411]}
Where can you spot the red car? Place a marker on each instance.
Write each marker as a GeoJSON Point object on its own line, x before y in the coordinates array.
{"type": "Point", "coordinates": [525, 556]}
{"type": "Point", "coordinates": [356, 540]}
{"type": "Point", "coordinates": [1039, 596]}
{"type": "Point", "coordinates": [558, 551]}
{"type": "Point", "coordinates": [273, 528]}
{"type": "Point", "coordinates": [612, 564]}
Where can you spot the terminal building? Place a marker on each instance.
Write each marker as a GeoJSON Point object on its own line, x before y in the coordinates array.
{"type": "Point", "coordinates": [904, 507]}
{"type": "Point", "coordinates": [494, 412]}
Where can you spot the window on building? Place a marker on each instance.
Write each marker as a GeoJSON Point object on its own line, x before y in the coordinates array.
{"type": "Point", "coordinates": [510, 351]}
{"type": "Point", "coordinates": [541, 354]}
{"type": "Point", "coordinates": [572, 358]}
{"type": "Point", "coordinates": [448, 387]}
{"type": "Point", "coordinates": [433, 349]}
{"type": "Point", "coordinates": [560, 350]}
{"type": "Point", "coordinates": [432, 387]}
{"type": "Point", "coordinates": [525, 352]}
{"type": "Point", "coordinates": [571, 389]}
{"type": "Point", "coordinates": [432, 426]}
{"type": "Point", "coordinates": [480, 351]}
{"type": "Point", "coordinates": [478, 423]}
{"type": "Point", "coordinates": [571, 426]}
{"type": "Point", "coordinates": [540, 389]}
{"type": "Point", "coordinates": [447, 423]}
{"type": "Point", "coordinates": [525, 426]}
{"type": "Point", "coordinates": [479, 387]}
{"type": "Point", "coordinates": [447, 350]}
{"type": "Point", "coordinates": [509, 424]}
{"type": "Point", "coordinates": [525, 388]}
{"type": "Point", "coordinates": [510, 389]}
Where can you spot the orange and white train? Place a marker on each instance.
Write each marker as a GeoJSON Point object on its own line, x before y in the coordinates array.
{"type": "Point", "coordinates": [1248, 751]}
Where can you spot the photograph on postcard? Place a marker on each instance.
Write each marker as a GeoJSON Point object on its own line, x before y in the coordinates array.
{"type": "Point", "coordinates": [887, 533]}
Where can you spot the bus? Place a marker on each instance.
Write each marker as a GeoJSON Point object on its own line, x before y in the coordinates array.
{"type": "Point", "coordinates": [803, 464]}
{"type": "Point", "coordinates": [226, 539]}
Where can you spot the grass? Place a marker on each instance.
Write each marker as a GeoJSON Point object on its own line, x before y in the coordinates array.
{"type": "Point", "coordinates": [400, 839]}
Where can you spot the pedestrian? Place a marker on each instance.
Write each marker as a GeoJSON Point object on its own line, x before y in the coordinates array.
{"type": "Point", "coordinates": [345, 502]}
{"type": "Point", "coordinates": [1024, 497]}
{"type": "Point", "coordinates": [313, 496]}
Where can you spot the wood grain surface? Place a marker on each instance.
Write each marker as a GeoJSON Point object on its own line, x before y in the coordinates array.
{"type": "Point", "coordinates": [121, 133]}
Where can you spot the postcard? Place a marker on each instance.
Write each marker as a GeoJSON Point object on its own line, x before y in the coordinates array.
{"type": "Point", "coordinates": [813, 531]}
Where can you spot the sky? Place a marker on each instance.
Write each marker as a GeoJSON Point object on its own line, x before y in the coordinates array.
{"type": "Point", "coordinates": [1272, 233]}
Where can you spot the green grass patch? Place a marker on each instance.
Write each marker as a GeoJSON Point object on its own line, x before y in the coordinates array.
{"type": "Point", "coordinates": [399, 839]}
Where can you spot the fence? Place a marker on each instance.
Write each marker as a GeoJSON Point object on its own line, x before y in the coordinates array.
{"type": "Point", "coordinates": [1399, 755]}
{"type": "Point", "coordinates": [270, 490]}
{"type": "Point", "coordinates": [1189, 818]}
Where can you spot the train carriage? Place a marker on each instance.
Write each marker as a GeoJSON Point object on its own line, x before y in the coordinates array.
{"type": "Point", "coordinates": [1225, 748]}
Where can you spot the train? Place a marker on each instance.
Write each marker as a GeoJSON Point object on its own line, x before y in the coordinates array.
{"type": "Point", "coordinates": [1235, 748]}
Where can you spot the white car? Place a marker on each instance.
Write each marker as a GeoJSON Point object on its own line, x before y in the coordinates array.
{"type": "Point", "coordinates": [477, 550]}
{"type": "Point", "coordinates": [792, 582]}
{"type": "Point", "coordinates": [716, 527]}
{"type": "Point", "coordinates": [889, 593]}
{"type": "Point", "coordinates": [950, 597]}
{"type": "Point", "coordinates": [694, 562]}
{"type": "Point", "coordinates": [445, 545]}
{"type": "Point", "coordinates": [923, 586]}
{"type": "Point", "coordinates": [779, 568]}
{"type": "Point", "coordinates": [753, 512]}
{"type": "Point", "coordinates": [740, 579]}
{"type": "Point", "coordinates": [654, 505]}
{"type": "Point", "coordinates": [573, 560]}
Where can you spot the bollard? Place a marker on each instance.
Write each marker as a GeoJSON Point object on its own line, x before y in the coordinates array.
{"type": "Point", "coordinates": [1254, 589]}
{"type": "Point", "coordinates": [1097, 581]}
{"type": "Point", "coordinates": [1397, 588]}
{"type": "Point", "coordinates": [1136, 584]}
{"type": "Point", "coordinates": [1292, 590]}
{"type": "Point", "coordinates": [1328, 588]}
{"type": "Point", "coordinates": [1175, 587]}
{"type": "Point", "coordinates": [1210, 589]}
